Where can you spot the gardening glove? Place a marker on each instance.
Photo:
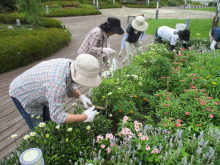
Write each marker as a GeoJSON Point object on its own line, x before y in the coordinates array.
{"type": "Point", "coordinates": [90, 114]}
{"type": "Point", "coordinates": [120, 53]}
{"type": "Point", "coordinates": [108, 51]}
{"type": "Point", "coordinates": [83, 99]}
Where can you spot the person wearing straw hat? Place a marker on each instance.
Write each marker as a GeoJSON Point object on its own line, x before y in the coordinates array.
{"type": "Point", "coordinates": [40, 91]}
{"type": "Point", "coordinates": [97, 42]}
{"type": "Point", "coordinates": [214, 36]}
{"type": "Point", "coordinates": [135, 34]}
{"type": "Point", "coordinates": [172, 35]}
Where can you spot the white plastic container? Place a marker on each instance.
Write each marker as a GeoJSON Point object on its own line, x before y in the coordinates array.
{"type": "Point", "coordinates": [32, 156]}
{"type": "Point", "coordinates": [180, 26]}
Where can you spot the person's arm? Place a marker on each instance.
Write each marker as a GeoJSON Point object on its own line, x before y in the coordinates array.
{"type": "Point", "coordinates": [212, 46]}
{"type": "Point", "coordinates": [75, 93]}
{"type": "Point", "coordinates": [93, 40]}
{"type": "Point", "coordinates": [123, 41]}
{"type": "Point", "coordinates": [75, 118]}
{"type": "Point", "coordinates": [142, 36]}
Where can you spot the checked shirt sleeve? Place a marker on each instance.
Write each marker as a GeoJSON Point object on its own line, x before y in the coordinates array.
{"type": "Point", "coordinates": [55, 94]}
{"type": "Point", "coordinates": [94, 43]}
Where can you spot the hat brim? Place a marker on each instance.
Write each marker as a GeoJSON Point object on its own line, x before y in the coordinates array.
{"type": "Point", "coordinates": [116, 30]}
{"type": "Point", "coordinates": [138, 27]}
{"type": "Point", "coordinates": [84, 80]}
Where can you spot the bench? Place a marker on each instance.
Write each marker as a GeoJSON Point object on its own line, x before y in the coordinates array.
{"type": "Point", "coordinates": [134, 16]}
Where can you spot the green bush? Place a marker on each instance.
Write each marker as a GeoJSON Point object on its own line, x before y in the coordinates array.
{"type": "Point", "coordinates": [21, 47]}
{"type": "Point", "coordinates": [62, 3]}
{"type": "Point", "coordinates": [73, 12]}
{"type": "Point", "coordinates": [45, 22]}
{"type": "Point", "coordinates": [171, 3]}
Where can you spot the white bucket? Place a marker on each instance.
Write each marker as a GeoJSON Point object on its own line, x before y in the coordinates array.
{"type": "Point", "coordinates": [180, 26]}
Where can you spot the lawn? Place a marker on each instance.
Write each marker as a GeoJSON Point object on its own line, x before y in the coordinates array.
{"type": "Point", "coordinates": [212, 9]}
{"type": "Point", "coordinates": [201, 26]}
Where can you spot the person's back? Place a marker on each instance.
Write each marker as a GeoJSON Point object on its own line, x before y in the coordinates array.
{"type": "Point", "coordinates": [168, 34]}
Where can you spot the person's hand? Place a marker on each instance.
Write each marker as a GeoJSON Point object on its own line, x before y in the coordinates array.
{"type": "Point", "coordinates": [120, 53]}
{"type": "Point", "coordinates": [83, 99]}
{"type": "Point", "coordinates": [90, 114]}
{"type": "Point", "coordinates": [140, 43]}
{"type": "Point", "coordinates": [108, 51]}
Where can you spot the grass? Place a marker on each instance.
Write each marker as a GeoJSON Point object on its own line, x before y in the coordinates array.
{"type": "Point", "coordinates": [212, 9]}
{"type": "Point", "coordinates": [201, 26]}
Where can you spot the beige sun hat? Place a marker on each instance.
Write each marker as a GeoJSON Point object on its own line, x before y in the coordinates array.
{"type": "Point", "coordinates": [85, 70]}
{"type": "Point", "coordinates": [139, 23]}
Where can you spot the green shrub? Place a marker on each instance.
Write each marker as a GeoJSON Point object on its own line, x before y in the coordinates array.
{"type": "Point", "coordinates": [21, 47]}
{"type": "Point", "coordinates": [45, 22]}
{"type": "Point", "coordinates": [62, 3]}
{"type": "Point", "coordinates": [171, 3]}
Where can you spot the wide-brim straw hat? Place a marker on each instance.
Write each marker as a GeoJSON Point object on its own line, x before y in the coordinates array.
{"type": "Point", "coordinates": [139, 23]}
{"type": "Point", "coordinates": [85, 71]}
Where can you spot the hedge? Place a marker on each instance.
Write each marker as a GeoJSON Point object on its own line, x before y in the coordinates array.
{"type": "Point", "coordinates": [19, 47]}
{"type": "Point", "coordinates": [46, 22]}
{"type": "Point", "coordinates": [73, 12]}
{"type": "Point", "coordinates": [62, 3]}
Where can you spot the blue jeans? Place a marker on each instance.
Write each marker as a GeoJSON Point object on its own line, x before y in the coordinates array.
{"type": "Point", "coordinates": [27, 117]}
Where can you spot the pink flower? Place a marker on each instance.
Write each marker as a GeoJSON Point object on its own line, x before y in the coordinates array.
{"type": "Point", "coordinates": [168, 104]}
{"type": "Point", "coordinates": [211, 115]}
{"type": "Point", "coordinates": [202, 90]}
{"type": "Point", "coordinates": [169, 132]}
{"type": "Point", "coordinates": [178, 120]}
{"type": "Point", "coordinates": [102, 146]}
{"type": "Point", "coordinates": [147, 147]}
{"type": "Point", "coordinates": [178, 125]}
{"type": "Point", "coordinates": [187, 113]}
{"type": "Point", "coordinates": [197, 98]}
{"type": "Point", "coordinates": [168, 98]}
{"type": "Point", "coordinates": [197, 125]}
{"type": "Point", "coordinates": [142, 137]}
{"type": "Point", "coordinates": [194, 74]}
{"type": "Point", "coordinates": [140, 134]}
{"type": "Point", "coordinates": [170, 93]}
{"type": "Point", "coordinates": [108, 150]}
{"type": "Point", "coordinates": [202, 100]}
{"type": "Point", "coordinates": [168, 81]}
{"type": "Point", "coordinates": [182, 80]}
{"type": "Point", "coordinates": [205, 94]}
{"type": "Point", "coordinates": [170, 118]}
{"type": "Point", "coordinates": [125, 119]}
{"type": "Point", "coordinates": [202, 103]}
{"type": "Point", "coordinates": [146, 137]}
{"type": "Point", "coordinates": [193, 87]}
{"type": "Point", "coordinates": [165, 125]}
{"type": "Point", "coordinates": [155, 151]}
{"type": "Point", "coordinates": [185, 90]}
{"type": "Point", "coordinates": [99, 137]}
{"type": "Point", "coordinates": [215, 103]}
{"type": "Point", "coordinates": [158, 95]}
{"type": "Point", "coordinates": [208, 109]}
{"type": "Point", "coordinates": [209, 97]}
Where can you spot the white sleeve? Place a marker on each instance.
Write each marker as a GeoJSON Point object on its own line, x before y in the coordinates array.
{"type": "Point", "coordinates": [174, 39]}
{"type": "Point", "coordinates": [212, 46]}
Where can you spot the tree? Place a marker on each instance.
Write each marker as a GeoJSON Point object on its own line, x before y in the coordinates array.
{"type": "Point", "coordinates": [32, 10]}
{"type": "Point", "coordinates": [7, 6]}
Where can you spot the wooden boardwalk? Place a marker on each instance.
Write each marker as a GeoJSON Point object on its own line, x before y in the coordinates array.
{"type": "Point", "coordinates": [10, 119]}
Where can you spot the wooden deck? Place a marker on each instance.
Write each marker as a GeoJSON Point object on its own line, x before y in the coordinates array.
{"type": "Point", "coordinates": [10, 119]}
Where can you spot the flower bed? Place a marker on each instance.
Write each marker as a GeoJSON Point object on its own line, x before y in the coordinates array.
{"type": "Point", "coordinates": [164, 108]}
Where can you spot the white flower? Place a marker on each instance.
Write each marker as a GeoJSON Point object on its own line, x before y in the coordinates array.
{"type": "Point", "coordinates": [26, 137]}
{"type": "Point", "coordinates": [127, 75]}
{"type": "Point", "coordinates": [119, 88]}
{"type": "Point", "coordinates": [74, 104]}
{"type": "Point", "coordinates": [140, 83]}
{"type": "Point", "coordinates": [88, 127]}
{"type": "Point", "coordinates": [57, 127]}
{"type": "Point", "coordinates": [32, 116]}
{"type": "Point", "coordinates": [32, 134]}
{"type": "Point", "coordinates": [198, 34]}
{"type": "Point", "coordinates": [97, 113]}
{"type": "Point", "coordinates": [110, 115]}
{"type": "Point", "coordinates": [69, 129]}
{"type": "Point", "coordinates": [41, 124]}
{"type": "Point", "coordinates": [14, 136]}
{"type": "Point", "coordinates": [135, 76]}
{"type": "Point", "coordinates": [110, 93]}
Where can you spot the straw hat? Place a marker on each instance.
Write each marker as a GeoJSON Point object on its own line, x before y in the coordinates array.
{"type": "Point", "coordinates": [139, 23]}
{"type": "Point", "coordinates": [85, 70]}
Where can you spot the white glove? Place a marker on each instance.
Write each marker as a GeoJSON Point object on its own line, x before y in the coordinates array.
{"type": "Point", "coordinates": [108, 51]}
{"type": "Point", "coordinates": [90, 114]}
{"type": "Point", "coordinates": [83, 99]}
{"type": "Point", "coordinates": [120, 53]}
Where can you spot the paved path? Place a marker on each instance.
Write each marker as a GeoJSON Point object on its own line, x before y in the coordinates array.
{"type": "Point", "coordinates": [164, 13]}
{"type": "Point", "coordinates": [12, 122]}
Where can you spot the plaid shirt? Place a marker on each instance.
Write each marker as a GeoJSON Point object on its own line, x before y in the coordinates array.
{"type": "Point", "coordinates": [45, 84]}
{"type": "Point", "coordinates": [94, 42]}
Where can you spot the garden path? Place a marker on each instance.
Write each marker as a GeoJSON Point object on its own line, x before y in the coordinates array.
{"type": "Point", "coordinates": [10, 119]}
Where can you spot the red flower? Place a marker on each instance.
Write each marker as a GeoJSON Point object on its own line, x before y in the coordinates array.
{"type": "Point", "coordinates": [187, 113]}
{"type": "Point", "coordinates": [197, 125]}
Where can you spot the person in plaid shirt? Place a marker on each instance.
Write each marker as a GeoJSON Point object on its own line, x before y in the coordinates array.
{"type": "Point", "coordinates": [97, 43]}
{"type": "Point", "coordinates": [41, 89]}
